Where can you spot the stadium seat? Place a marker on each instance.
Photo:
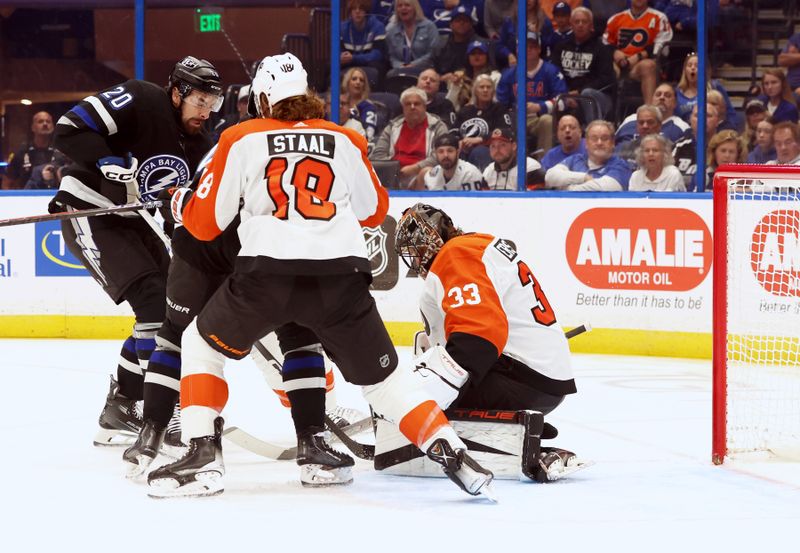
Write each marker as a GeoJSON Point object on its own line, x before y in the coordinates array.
{"type": "Point", "coordinates": [398, 83]}
{"type": "Point", "coordinates": [390, 100]}
{"type": "Point", "coordinates": [387, 172]}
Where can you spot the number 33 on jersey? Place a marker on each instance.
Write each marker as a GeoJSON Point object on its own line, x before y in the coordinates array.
{"type": "Point", "coordinates": [307, 187]}
{"type": "Point", "coordinates": [478, 285]}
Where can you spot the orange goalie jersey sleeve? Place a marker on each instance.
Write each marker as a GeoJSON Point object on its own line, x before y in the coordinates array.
{"type": "Point", "coordinates": [478, 285]}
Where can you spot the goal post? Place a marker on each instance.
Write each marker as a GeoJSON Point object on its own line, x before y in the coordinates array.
{"type": "Point", "coordinates": [756, 313]}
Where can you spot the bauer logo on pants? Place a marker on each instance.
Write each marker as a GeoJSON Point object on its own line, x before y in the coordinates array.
{"type": "Point", "coordinates": [657, 249]}
{"type": "Point", "coordinates": [775, 253]}
{"type": "Point", "coordinates": [52, 256]}
{"type": "Point", "coordinates": [380, 250]}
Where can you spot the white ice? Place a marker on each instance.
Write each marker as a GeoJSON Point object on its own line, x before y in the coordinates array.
{"type": "Point", "coordinates": [645, 421]}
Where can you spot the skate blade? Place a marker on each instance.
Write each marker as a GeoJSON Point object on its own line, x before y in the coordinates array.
{"type": "Point", "coordinates": [317, 476]}
{"type": "Point", "coordinates": [205, 484]}
{"type": "Point", "coordinates": [487, 492]}
{"type": "Point", "coordinates": [136, 470]}
{"type": "Point", "coordinates": [573, 467]}
{"type": "Point", "coordinates": [110, 437]}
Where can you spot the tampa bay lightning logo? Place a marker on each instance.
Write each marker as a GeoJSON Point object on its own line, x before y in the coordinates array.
{"type": "Point", "coordinates": [159, 172]}
{"type": "Point", "coordinates": [474, 128]}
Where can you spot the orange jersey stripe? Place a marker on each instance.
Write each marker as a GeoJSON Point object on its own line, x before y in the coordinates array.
{"type": "Point", "coordinates": [329, 382]}
{"type": "Point", "coordinates": [205, 390]}
{"type": "Point", "coordinates": [422, 422]}
{"type": "Point", "coordinates": [470, 303]}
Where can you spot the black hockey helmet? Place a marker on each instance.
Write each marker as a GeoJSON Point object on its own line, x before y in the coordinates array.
{"type": "Point", "coordinates": [195, 74]}
{"type": "Point", "coordinates": [421, 233]}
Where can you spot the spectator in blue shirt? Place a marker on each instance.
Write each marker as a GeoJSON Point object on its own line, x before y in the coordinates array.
{"type": "Point", "coordinates": [569, 139]}
{"type": "Point", "coordinates": [544, 82]}
{"type": "Point", "coordinates": [410, 39]}
{"type": "Point", "coordinates": [790, 58]}
{"type": "Point", "coordinates": [598, 169]}
{"type": "Point", "coordinates": [778, 96]}
{"type": "Point", "coordinates": [363, 39]}
{"type": "Point", "coordinates": [764, 150]}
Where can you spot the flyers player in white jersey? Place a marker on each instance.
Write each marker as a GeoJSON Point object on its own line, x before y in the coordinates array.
{"type": "Point", "coordinates": [482, 302]}
{"type": "Point", "coordinates": [303, 187]}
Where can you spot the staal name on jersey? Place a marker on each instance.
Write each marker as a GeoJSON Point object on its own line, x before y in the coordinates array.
{"type": "Point", "coordinates": [302, 143]}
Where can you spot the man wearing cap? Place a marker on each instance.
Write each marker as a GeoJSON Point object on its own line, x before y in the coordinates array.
{"type": "Point", "coordinates": [754, 113]}
{"type": "Point", "coordinates": [438, 104]}
{"type": "Point", "coordinates": [502, 174]}
{"type": "Point", "coordinates": [409, 138]}
{"type": "Point", "coordinates": [561, 31]}
{"type": "Point", "coordinates": [544, 82]}
{"type": "Point", "coordinates": [597, 170]}
{"type": "Point", "coordinates": [452, 55]}
{"type": "Point", "coordinates": [451, 173]}
{"type": "Point", "coordinates": [586, 62]}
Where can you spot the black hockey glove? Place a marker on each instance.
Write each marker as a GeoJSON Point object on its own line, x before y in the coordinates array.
{"type": "Point", "coordinates": [174, 199]}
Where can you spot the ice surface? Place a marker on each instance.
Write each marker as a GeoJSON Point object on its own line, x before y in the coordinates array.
{"type": "Point", "coordinates": [645, 421]}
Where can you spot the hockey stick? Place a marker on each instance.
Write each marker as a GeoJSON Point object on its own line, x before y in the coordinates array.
{"type": "Point", "coordinates": [362, 451]}
{"type": "Point", "coordinates": [255, 445]}
{"type": "Point", "coordinates": [80, 213]}
{"type": "Point", "coordinates": [585, 327]}
{"type": "Point", "coordinates": [367, 451]}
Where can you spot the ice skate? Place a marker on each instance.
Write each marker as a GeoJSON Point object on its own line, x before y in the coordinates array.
{"type": "Point", "coordinates": [121, 419]}
{"type": "Point", "coordinates": [555, 463]}
{"type": "Point", "coordinates": [321, 465]}
{"type": "Point", "coordinates": [352, 421]}
{"type": "Point", "coordinates": [462, 469]}
{"type": "Point", "coordinates": [198, 473]}
{"type": "Point", "coordinates": [140, 455]}
{"type": "Point", "coordinates": [172, 445]}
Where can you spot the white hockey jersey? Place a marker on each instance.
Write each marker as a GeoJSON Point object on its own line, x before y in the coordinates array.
{"type": "Point", "coordinates": [306, 188]}
{"type": "Point", "coordinates": [478, 285]}
{"type": "Point", "coordinates": [466, 177]}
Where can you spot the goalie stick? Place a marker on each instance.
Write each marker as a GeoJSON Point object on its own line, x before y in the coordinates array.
{"type": "Point", "coordinates": [80, 213]}
{"type": "Point", "coordinates": [367, 451]}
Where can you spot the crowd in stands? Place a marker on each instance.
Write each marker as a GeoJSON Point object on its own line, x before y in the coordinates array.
{"type": "Point", "coordinates": [432, 86]}
{"type": "Point", "coordinates": [580, 56]}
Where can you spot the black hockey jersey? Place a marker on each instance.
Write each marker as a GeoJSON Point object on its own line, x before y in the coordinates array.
{"type": "Point", "coordinates": [136, 117]}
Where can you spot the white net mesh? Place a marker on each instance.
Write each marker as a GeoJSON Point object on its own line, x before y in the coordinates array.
{"type": "Point", "coordinates": [763, 315]}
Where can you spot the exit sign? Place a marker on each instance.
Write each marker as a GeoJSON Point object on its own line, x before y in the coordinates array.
{"type": "Point", "coordinates": [208, 21]}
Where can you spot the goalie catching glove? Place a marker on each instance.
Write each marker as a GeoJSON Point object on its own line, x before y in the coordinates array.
{"type": "Point", "coordinates": [173, 200]}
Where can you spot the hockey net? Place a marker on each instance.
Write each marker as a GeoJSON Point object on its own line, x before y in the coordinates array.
{"type": "Point", "coordinates": [756, 312]}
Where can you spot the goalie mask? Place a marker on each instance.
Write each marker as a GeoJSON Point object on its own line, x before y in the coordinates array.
{"type": "Point", "coordinates": [421, 233]}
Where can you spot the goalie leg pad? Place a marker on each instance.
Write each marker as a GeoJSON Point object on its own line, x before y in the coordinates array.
{"type": "Point", "coordinates": [434, 376]}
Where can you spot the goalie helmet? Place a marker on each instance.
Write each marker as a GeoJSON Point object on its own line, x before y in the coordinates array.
{"type": "Point", "coordinates": [195, 74]}
{"type": "Point", "coordinates": [278, 78]}
{"type": "Point", "coordinates": [421, 233]}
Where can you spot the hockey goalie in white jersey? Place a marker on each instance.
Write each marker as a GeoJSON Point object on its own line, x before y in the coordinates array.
{"type": "Point", "coordinates": [482, 302]}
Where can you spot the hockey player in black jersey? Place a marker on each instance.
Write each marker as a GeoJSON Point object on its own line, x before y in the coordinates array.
{"type": "Point", "coordinates": [127, 143]}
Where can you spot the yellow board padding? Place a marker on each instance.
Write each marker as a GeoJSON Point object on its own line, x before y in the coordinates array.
{"type": "Point", "coordinates": [66, 326]}
{"type": "Point", "coordinates": [600, 340]}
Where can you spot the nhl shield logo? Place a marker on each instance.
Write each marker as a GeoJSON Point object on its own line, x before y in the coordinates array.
{"type": "Point", "coordinates": [375, 238]}
{"type": "Point", "coordinates": [380, 252]}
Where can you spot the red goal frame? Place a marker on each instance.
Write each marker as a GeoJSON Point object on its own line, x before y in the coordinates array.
{"type": "Point", "coordinates": [720, 295]}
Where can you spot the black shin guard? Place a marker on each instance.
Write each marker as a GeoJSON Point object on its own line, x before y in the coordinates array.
{"type": "Point", "coordinates": [304, 381]}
